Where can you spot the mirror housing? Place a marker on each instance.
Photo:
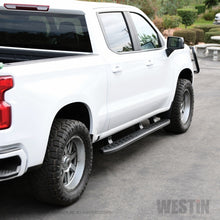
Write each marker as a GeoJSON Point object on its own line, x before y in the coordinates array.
{"type": "Point", "coordinates": [174, 43]}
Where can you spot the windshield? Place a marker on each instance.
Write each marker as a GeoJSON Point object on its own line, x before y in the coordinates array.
{"type": "Point", "coordinates": [44, 31]}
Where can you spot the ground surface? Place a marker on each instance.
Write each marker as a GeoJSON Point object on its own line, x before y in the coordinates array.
{"type": "Point", "coordinates": [128, 184]}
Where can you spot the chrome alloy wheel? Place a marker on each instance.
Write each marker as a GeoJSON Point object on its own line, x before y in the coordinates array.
{"type": "Point", "coordinates": [185, 107]}
{"type": "Point", "coordinates": [73, 162]}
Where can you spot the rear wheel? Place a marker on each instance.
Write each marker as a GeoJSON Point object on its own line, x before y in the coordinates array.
{"type": "Point", "coordinates": [67, 165]}
{"type": "Point", "coordinates": [181, 111]}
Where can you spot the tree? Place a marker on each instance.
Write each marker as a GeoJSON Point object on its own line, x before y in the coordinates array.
{"type": "Point", "coordinates": [171, 21]}
{"type": "Point", "coordinates": [210, 3]}
{"type": "Point", "coordinates": [170, 6]}
{"type": "Point", "coordinates": [147, 6]}
{"type": "Point", "coordinates": [188, 16]}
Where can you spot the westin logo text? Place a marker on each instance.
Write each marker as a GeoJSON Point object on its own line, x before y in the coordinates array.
{"type": "Point", "coordinates": [183, 206]}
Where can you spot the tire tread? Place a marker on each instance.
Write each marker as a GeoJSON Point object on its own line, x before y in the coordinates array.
{"type": "Point", "coordinates": [45, 181]}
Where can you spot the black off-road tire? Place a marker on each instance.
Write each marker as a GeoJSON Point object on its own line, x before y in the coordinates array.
{"type": "Point", "coordinates": [50, 181]}
{"type": "Point", "coordinates": [180, 121]}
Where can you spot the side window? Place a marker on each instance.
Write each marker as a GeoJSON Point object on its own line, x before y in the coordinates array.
{"type": "Point", "coordinates": [116, 32]}
{"type": "Point", "coordinates": [147, 36]}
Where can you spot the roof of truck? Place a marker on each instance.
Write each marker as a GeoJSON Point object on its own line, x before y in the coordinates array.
{"type": "Point", "coordinates": [67, 4]}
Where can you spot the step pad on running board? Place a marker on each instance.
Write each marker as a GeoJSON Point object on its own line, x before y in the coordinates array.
{"type": "Point", "coordinates": [133, 137]}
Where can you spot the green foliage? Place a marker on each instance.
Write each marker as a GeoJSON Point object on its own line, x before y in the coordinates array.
{"type": "Point", "coordinates": [200, 8]}
{"type": "Point", "coordinates": [211, 3]}
{"type": "Point", "coordinates": [209, 16]}
{"type": "Point", "coordinates": [149, 11]}
{"type": "Point", "coordinates": [147, 40]}
{"type": "Point", "coordinates": [214, 29]}
{"type": "Point", "coordinates": [147, 6]}
{"type": "Point", "coordinates": [171, 21]}
{"type": "Point", "coordinates": [208, 36]}
{"type": "Point", "coordinates": [188, 35]}
{"type": "Point", "coordinates": [205, 27]}
{"type": "Point", "coordinates": [170, 6]}
{"type": "Point", "coordinates": [159, 23]}
{"type": "Point", "coordinates": [199, 35]}
{"type": "Point", "coordinates": [159, 8]}
{"type": "Point", "coordinates": [188, 16]}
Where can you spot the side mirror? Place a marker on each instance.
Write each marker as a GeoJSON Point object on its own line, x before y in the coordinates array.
{"type": "Point", "coordinates": [174, 43]}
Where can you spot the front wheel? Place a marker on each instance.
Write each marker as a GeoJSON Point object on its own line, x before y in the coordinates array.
{"type": "Point", "coordinates": [181, 111]}
{"type": "Point", "coordinates": [67, 165]}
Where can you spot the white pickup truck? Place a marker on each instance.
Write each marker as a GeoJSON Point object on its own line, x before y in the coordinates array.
{"type": "Point", "coordinates": [74, 73]}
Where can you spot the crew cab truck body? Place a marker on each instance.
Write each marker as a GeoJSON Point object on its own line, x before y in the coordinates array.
{"type": "Point", "coordinates": [76, 73]}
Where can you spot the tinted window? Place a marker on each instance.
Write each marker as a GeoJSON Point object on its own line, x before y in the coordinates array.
{"type": "Point", "coordinates": [44, 31]}
{"type": "Point", "coordinates": [147, 36]}
{"type": "Point", "coordinates": [116, 31]}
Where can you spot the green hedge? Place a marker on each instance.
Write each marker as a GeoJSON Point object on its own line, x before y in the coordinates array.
{"type": "Point", "coordinates": [188, 35]}
{"type": "Point", "coordinates": [171, 21]}
{"type": "Point", "coordinates": [208, 36]}
{"type": "Point", "coordinates": [200, 8]}
{"type": "Point", "coordinates": [205, 27]}
{"type": "Point", "coordinates": [214, 29]}
{"type": "Point", "coordinates": [188, 16]}
{"type": "Point", "coordinates": [199, 35]}
{"type": "Point", "coordinates": [159, 23]}
{"type": "Point", "coordinates": [209, 16]}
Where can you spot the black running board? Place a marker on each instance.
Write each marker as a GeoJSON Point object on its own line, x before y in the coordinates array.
{"type": "Point", "coordinates": [133, 137]}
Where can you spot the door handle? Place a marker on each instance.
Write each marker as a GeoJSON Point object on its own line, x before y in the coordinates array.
{"type": "Point", "coordinates": [117, 69]}
{"type": "Point", "coordinates": [149, 63]}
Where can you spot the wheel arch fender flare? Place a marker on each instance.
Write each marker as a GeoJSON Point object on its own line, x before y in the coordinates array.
{"type": "Point", "coordinates": [78, 111]}
{"type": "Point", "coordinates": [184, 73]}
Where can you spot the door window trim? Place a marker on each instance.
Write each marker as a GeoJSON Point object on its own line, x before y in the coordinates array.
{"type": "Point", "coordinates": [132, 32]}
{"type": "Point", "coordinates": [136, 33]}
